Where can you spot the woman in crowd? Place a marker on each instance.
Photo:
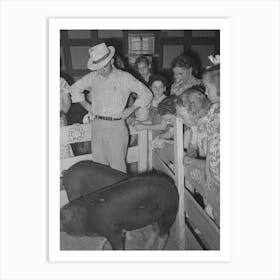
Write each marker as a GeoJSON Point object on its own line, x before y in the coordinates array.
{"type": "Point", "coordinates": [203, 171]}
{"type": "Point", "coordinates": [211, 82]}
{"type": "Point", "coordinates": [76, 114]}
{"type": "Point", "coordinates": [192, 135]}
{"type": "Point", "coordinates": [155, 121]}
{"type": "Point", "coordinates": [65, 100]}
{"type": "Point", "coordinates": [65, 104]}
{"type": "Point", "coordinates": [186, 72]}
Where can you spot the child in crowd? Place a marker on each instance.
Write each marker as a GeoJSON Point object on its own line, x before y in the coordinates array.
{"type": "Point", "coordinates": [143, 73]}
{"type": "Point", "coordinates": [161, 109]}
{"type": "Point", "coordinates": [143, 68]}
{"type": "Point", "coordinates": [158, 87]}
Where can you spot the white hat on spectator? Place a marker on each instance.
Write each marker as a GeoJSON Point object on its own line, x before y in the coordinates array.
{"type": "Point", "coordinates": [100, 55]}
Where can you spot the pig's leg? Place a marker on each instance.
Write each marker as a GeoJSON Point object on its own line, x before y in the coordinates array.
{"type": "Point", "coordinates": [102, 243]}
{"type": "Point", "coordinates": [117, 240]}
{"type": "Point", "coordinates": [151, 241]}
{"type": "Point", "coordinates": [162, 240]}
{"type": "Point", "coordinates": [164, 226]}
{"type": "Point", "coordinates": [128, 235]}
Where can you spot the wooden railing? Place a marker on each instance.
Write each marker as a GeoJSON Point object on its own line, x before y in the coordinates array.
{"type": "Point", "coordinates": [203, 226]}
{"type": "Point", "coordinates": [147, 159]}
{"type": "Point", "coordinates": [78, 133]}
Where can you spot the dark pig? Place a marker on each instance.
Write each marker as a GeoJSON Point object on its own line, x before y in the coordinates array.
{"type": "Point", "coordinates": [133, 203]}
{"type": "Point", "coordinates": [87, 176]}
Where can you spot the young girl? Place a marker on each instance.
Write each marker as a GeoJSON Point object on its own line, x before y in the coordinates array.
{"type": "Point", "coordinates": [158, 87]}
{"type": "Point", "coordinates": [161, 111]}
{"type": "Point", "coordinates": [156, 121]}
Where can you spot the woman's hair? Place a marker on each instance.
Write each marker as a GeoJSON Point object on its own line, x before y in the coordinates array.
{"type": "Point", "coordinates": [213, 73]}
{"type": "Point", "coordinates": [196, 108]}
{"type": "Point", "coordinates": [142, 58]}
{"type": "Point", "coordinates": [187, 61]}
{"type": "Point", "coordinates": [167, 105]}
{"type": "Point", "coordinates": [157, 78]}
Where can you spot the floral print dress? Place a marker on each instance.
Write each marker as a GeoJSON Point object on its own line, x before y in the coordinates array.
{"type": "Point", "coordinates": [206, 137]}
{"type": "Point", "coordinates": [213, 132]}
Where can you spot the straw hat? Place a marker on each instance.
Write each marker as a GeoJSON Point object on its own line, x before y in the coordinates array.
{"type": "Point", "coordinates": [100, 55]}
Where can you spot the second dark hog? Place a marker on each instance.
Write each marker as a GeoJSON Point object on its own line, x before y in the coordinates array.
{"type": "Point", "coordinates": [87, 176]}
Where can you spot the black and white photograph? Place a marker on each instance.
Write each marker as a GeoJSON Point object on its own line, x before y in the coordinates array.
{"type": "Point", "coordinates": [140, 139]}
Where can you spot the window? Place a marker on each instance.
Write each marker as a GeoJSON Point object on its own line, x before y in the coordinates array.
{"type": "Point", "coordinates": [141, 44]}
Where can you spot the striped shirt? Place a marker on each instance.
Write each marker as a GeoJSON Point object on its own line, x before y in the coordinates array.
{"type": "Point", "coordinates": [110, 94]}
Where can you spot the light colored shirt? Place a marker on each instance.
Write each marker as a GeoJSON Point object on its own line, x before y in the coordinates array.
{"type": "Point", "coordinates": [110, 94]}
{"type": "Point", "coordinates": [155, 102]}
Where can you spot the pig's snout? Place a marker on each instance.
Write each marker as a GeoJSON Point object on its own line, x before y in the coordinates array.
{"type": "Point", "coordinates": [73, 220]}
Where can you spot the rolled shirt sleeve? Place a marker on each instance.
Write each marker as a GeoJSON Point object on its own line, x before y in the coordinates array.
{"type": "Point", "coordinates": [144, 95]}
{"type": "Point", "coordinates": [76, 90]}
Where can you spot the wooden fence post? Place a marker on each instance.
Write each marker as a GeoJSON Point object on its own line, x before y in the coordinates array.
{"type": "Point", "coordinates": [150, 150]}
{"type": "Point", "coordinates": [142, 114]}
{"type": "Point", "coordinates": [179, 180]}
{"type": "Point", "coordinates": [143, 151]}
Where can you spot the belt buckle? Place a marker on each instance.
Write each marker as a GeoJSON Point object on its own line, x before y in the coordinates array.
{"type": "Point", "coordinates": [106, 118]}
{"type": "Point", "coordinates": [103, 118]}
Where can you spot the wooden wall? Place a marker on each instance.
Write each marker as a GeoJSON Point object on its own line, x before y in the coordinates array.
{"type": "Point", "coordinates": [74, 45]}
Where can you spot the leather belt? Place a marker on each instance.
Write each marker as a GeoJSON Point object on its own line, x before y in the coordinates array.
{"type": "Point", "coordinates": [107, 118]}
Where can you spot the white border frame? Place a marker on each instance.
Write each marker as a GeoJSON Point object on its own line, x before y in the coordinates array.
{"type": "Point", "coordinates": [224, 255]}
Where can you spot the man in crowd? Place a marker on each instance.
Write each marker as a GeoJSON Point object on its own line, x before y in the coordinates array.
{"type": "Point", "coordinates": [109, 88]}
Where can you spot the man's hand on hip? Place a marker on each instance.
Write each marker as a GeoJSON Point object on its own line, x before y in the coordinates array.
{"type": "Point", "coordinates": [128, 111]}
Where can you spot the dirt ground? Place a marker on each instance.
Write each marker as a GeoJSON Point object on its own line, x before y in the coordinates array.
{"type": "Point", "coordinates": [135, 241]}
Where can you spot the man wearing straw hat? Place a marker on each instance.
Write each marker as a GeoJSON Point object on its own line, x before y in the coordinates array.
{"type": "Point", "coordinates": [110, 89]}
